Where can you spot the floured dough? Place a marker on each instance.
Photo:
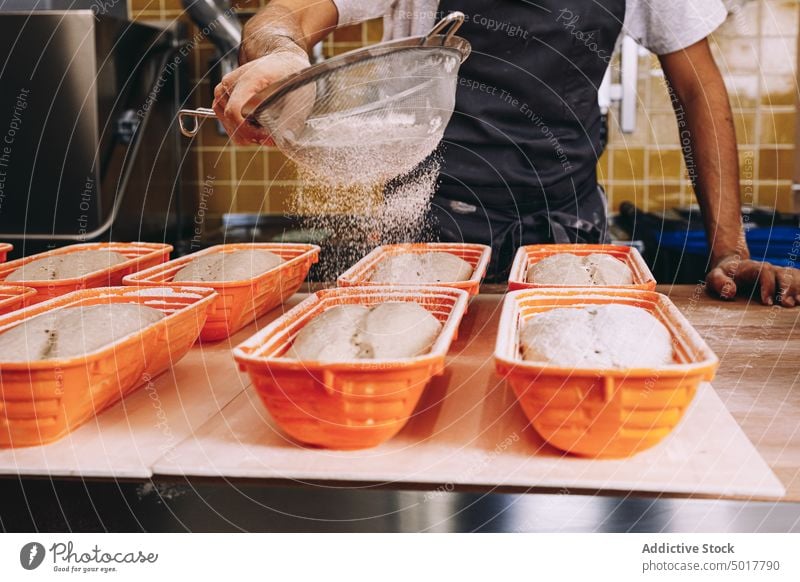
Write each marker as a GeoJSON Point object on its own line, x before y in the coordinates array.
{"type": "Point", "coordinates": [606, 270]}
{"type": "Point", "coordinates": [66, 266]}
{"type": "Point", "coordinates": [606, 336]}
{"type": "Point", "coordinates": [30, 340]}
{"type": "Point", "coordinates": [397, 329]}
{"type": "Point", "coordinates": [391, 330]}
{"type": "Point", "coordinates": [232, 266]}
{"type": "Point", "coordinates": [589, 270]}
{"type": "Point", "coordinates": [327, 336]}
{"type": "Point", "coordinates": [74, 331]}
{"type": "Point", "coordinates": [410, 268]}
{"type": "Point", "coordinates": [560, 269]}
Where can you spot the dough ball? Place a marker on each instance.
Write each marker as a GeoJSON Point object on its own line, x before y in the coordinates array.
{"type": "Point", "coordinates": [29, 341]}
{"type": "Point", "coordinates": [82, 330]}
{"type": "Point", "coordinates": [66, 266]}
{"type": "Point", "coordinates": [632, 337]}
{"type": "Point", "coordinates": [560, 269]}
{"type": "Point", "coordinates": [232, 266]}
{"type": "Point", "coordinates": [561, 337]}
{"type": "Point", "coordinates": [74, 331]}
{"type": "Point", "coordinates": [390, 330]}
{"type": "Point", "coordinates": [85, 262]}
{"type": "Point", "coordinates": [606, 336]}
{"type": "Point", "coordinates": [583, 271]}
{"type": "Point", "coordinates": [606, 270]}
{"type": "Point", "coordinates": [397, 269]}
{"type": "Point", "coordinates": [397, 329]}
{"type": "Point", "coordinates": [411, 268]}
{"type": "Point", "coordinates": [328, 337]}
{"type": "Point", "coordinates": [44, 269]}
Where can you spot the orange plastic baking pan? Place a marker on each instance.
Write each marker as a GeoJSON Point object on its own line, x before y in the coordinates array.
{"type": "Point", "coordinates": [346, 405]}
{"type": "Point", "coordinates": [44, 400]}
{"type": "Point", "coordinates": [14, 297]}
{"type": "Point", "coordinates": [476, 255]}
{"type": "Point", "coordinates": [140, 255]}
{"type": "Point", "coordinates": [240, 302]}
{"type": "Point", "coordinates": [529, 255]}
{"type": "Point", "coordinates": [602, 412]}
{"type": "Point", "coordinates": [5, 248]}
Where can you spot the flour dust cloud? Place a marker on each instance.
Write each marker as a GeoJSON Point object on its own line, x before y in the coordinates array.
{"type": "Point", "coordinates": [353, 218]}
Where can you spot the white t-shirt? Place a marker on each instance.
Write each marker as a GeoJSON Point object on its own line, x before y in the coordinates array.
{"type": "Point", "coordinates": [661, 26]}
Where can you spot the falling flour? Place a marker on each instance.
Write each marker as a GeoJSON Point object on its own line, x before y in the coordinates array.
{"type": "Point", "coordinates": [358, 216]}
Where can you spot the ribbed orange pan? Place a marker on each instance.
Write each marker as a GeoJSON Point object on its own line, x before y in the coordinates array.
{"type": "Point", "coordinates": [14, 297]}
{"type": "Point", "coordinates": [602, 412]}
{"type": "Point", "coordinates": [140, 256]}
{"type": "Point", "coordinates": [346, 405]}
{"type": "Point", "coordinates": [531, 254]}
{"type": "Point", "coordinates": [240, 302]}
{"type": "Point", "coordinates": [476, 255]}
{"type": "Point", "coordinates": [44, 400]}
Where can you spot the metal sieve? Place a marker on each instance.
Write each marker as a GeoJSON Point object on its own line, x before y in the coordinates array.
{"type": "Point", "coordinates": [365, 116]}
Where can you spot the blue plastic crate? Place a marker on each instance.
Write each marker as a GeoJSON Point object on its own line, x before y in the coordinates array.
{"type": "Point", "coordinates": [779, 245]}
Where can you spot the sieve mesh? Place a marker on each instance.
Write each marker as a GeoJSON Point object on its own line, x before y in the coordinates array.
{"type": "Point", "coordinates": [368, 121]}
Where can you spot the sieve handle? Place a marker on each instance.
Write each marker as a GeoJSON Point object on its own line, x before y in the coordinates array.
{"type": "Point", "coordinates": [448, 25]}
{"type": "Point", "coordinates": [189, 119]}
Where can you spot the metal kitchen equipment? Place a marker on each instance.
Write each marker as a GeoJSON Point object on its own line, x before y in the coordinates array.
{"type": "Point", "coordinates": [223, 28]}
{"type": "Point", "coordinates": [219, 21]}
{"type": "Point", "coordinates": [89, 105]}
{"type": "Point", "coordinates": [367, 115]}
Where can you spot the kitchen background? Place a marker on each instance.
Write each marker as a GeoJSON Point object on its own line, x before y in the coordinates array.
{"type": "Point", "coordinates": [756, 50]}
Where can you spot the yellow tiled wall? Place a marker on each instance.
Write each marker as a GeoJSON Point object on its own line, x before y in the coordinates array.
{"type": "Point", "coordinates": [755, 49]}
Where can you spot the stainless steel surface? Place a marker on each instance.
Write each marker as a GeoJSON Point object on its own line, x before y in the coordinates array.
{"type": "Point", "coordinates": [60, 505]}
{"type": "Point", "coordinates": [218, 18]}
{"type": "Point", "coordinates": [96, 125]}
{"type": "Point", "coordinates": [189, 119]}
{"type": "Point", "coordinates": [629, 78]}
{"type": "Point", "coordinates": [621, 88]}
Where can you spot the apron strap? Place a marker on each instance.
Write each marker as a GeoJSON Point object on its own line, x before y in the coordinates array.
{"type": "Point", "coordinates": [559, 223]}
{"type": "Point", "coordinates": [557, 228]}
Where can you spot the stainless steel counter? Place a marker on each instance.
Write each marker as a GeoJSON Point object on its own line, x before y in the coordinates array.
{"type": "Point", "coordinates": [76, 505]}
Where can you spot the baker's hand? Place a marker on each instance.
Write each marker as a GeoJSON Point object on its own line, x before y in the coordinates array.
{"type": "Point", "coordinates": [239, 93]}
{"type": "Point", "coordinates": [732, 274]}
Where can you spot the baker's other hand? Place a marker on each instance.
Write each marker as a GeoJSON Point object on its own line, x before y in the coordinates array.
{"type": "Point", "coordinates": [775, 284]}
{"type": "Point", "coordinates": [240, 92]}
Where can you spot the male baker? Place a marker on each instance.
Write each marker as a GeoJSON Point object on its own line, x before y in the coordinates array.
{"type": "Point", "coordinates": [520, 155]}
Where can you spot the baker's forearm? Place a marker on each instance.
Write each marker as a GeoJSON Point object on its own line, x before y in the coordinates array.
{"type": "Point", "coordinates": [287, 25]}
{"type": "Point", "coordinates": [701, 101]}
{"type": "Point", "coordinates": [716, 172]}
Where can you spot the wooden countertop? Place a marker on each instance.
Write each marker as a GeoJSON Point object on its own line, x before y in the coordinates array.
{"type": "Point", "coordinates": [759, 373]}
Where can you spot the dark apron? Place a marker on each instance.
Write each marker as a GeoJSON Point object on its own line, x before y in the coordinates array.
{"type": "Point", "coordinates": [519, 155]}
